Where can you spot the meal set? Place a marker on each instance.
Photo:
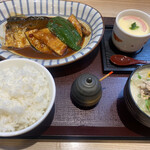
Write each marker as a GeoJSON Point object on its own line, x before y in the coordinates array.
{"type": "Point", "coordinates": [35, 35]}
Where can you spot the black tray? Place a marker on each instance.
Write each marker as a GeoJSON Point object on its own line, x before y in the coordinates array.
{"type": "Point", "coordinates": [108, 49]}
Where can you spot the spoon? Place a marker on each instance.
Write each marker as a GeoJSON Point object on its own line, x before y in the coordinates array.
{"type": "Point", "coordinates": [122, 60]}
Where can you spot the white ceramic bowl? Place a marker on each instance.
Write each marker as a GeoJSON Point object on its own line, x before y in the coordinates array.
{"type": "Point", "coordinates": [21, 62]}
{"type": "Point", "coordinates": [125, 41]}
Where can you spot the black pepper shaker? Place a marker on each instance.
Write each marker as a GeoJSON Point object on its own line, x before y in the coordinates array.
{"type": "Point", "coordinates": [86, 91]}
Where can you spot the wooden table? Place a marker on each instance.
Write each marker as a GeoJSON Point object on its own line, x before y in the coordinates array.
{"type": "Point", "coordinates": [108, 8]}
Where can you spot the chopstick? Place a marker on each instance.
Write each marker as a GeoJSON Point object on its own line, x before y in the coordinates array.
{"type": "Point", "coordinates": [106, 76]}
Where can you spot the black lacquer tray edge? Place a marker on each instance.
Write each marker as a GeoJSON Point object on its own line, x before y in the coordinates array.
{"type": "Point", "coordinates": [84, 132]}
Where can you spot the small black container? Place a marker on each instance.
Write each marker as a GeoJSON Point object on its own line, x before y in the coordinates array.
{"type": "Point", "coordinates": [133, 108]}
{"type": "Point", "coordinates": [86, 91]}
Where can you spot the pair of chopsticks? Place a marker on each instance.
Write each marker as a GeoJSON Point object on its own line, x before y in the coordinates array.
{"type": "Point", "coordinates": [106, 76]}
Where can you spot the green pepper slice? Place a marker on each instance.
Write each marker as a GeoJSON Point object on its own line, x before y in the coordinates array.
{"type": "Point", "coordinates": [65, 31]}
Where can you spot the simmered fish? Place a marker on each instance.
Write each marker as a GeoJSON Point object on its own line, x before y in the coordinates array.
{"type": "Point", "coordinates": [51, 41]}
{"type": "Point", "coordinates": [16, 28]}
{"type": "Point", "coordinates": [36, 43]}
{"type": "Point", "coordinates": [76, 24]}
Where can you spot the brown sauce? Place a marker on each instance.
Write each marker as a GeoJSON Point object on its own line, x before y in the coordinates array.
{"type": "Point", "coordinates": [29, 52]}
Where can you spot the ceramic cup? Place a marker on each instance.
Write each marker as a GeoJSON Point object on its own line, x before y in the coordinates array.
{"type": "Point", "coordinates": [125, 41]}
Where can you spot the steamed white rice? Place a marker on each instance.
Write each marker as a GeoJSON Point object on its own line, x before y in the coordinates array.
{"type": "Point", "coordinates": [24, 97]}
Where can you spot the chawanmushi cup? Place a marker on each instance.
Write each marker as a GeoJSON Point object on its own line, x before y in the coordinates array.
{"type": "Point", "coordinates": [126, 41]}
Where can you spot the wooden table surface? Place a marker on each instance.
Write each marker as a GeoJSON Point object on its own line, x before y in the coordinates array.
{"type": "Point", "coordinates": [108, 8]}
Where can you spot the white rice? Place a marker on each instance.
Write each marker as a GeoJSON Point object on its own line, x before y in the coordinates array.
{"type": "Point", "coordinates": [24, 97]}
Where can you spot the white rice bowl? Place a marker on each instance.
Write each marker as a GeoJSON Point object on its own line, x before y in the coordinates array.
{"type": "Point", "coordinates": [27, 95]}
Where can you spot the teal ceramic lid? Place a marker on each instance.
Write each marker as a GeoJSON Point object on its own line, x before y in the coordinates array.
{"type": "Point", "coordinates": [86, 90]}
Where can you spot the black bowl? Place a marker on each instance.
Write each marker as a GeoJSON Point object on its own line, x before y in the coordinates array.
{"type": "Point", "coordinates": [132, 106]}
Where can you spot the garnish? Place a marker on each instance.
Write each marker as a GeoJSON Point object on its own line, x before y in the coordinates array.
{"type": "Point", "coordinates": [134, 26]}
{"type": "Point", "coordinates": [139, 95]}
{"type": "Point", "coordinates": [147, 103]}
{"type": "Point", "coordinates": [139, 76]}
